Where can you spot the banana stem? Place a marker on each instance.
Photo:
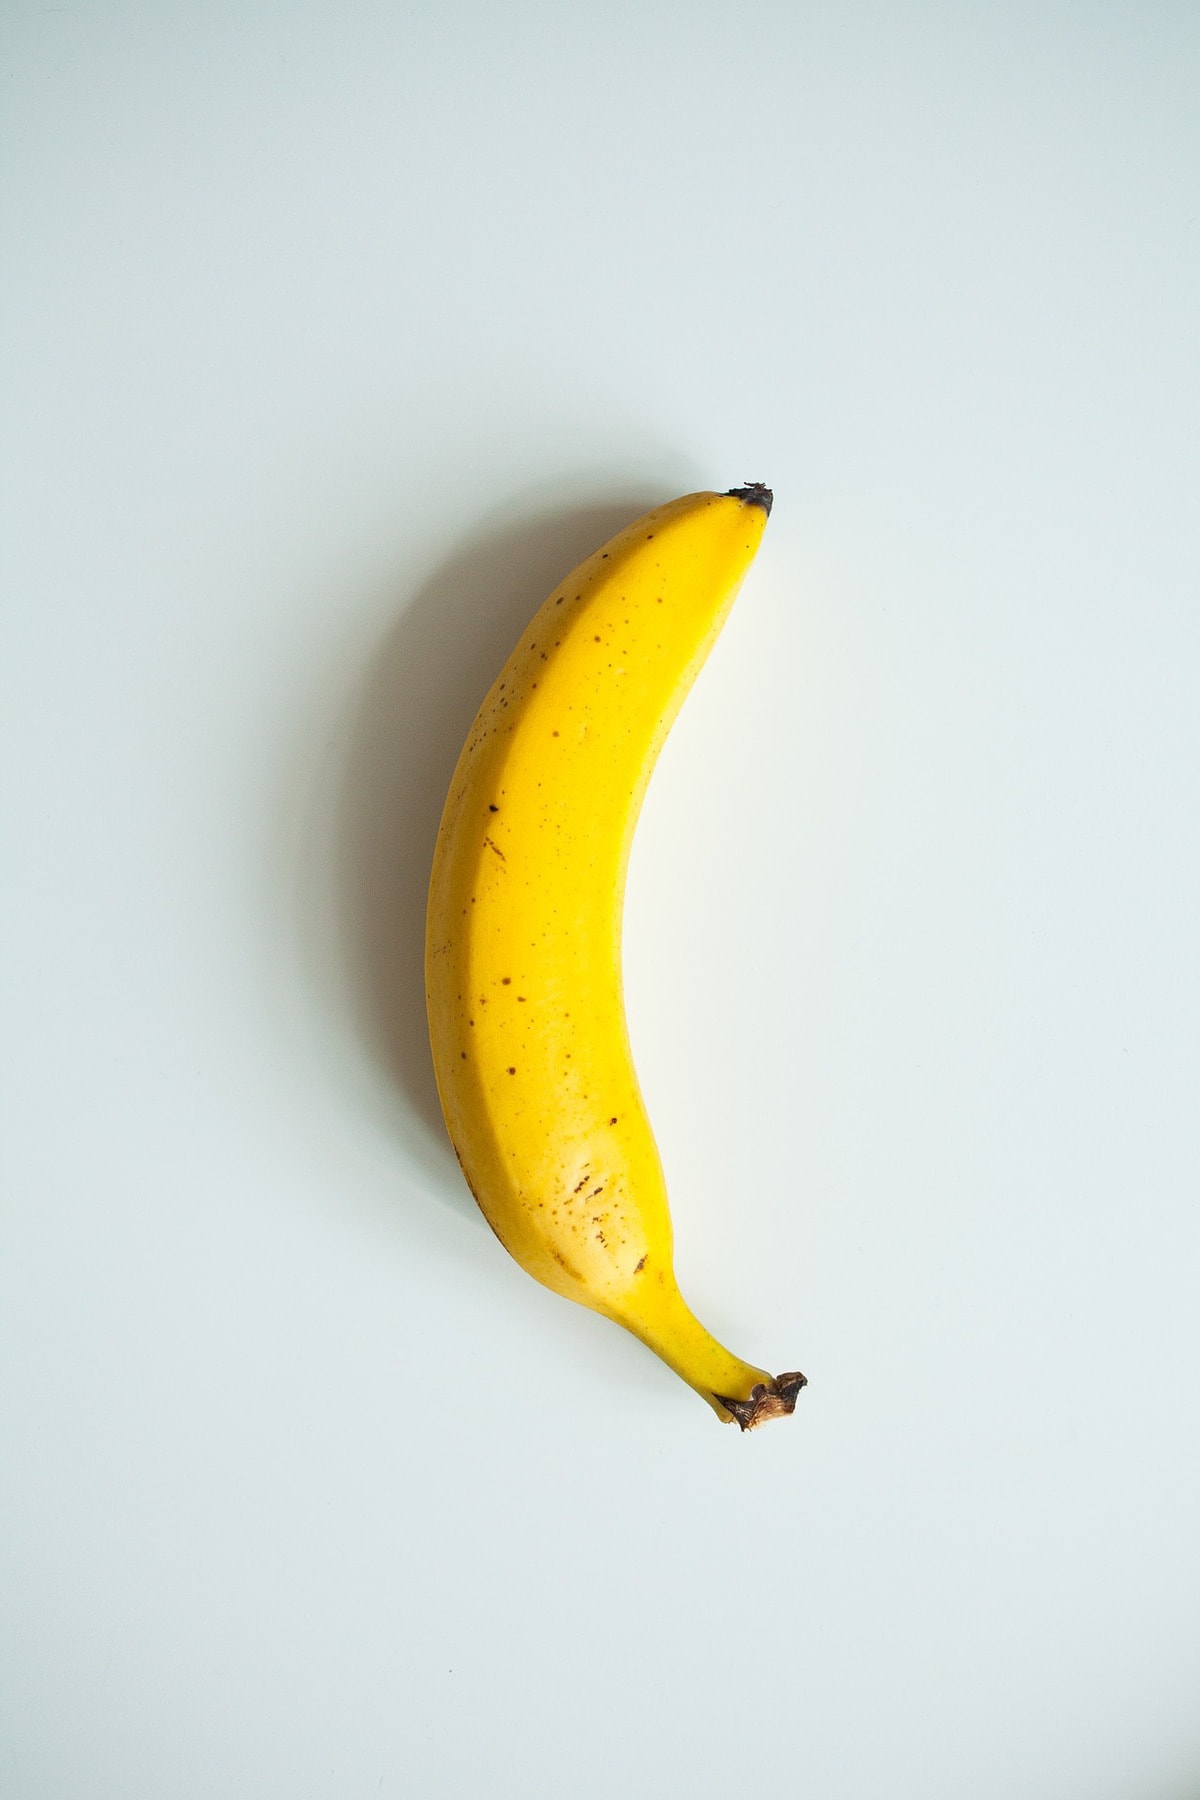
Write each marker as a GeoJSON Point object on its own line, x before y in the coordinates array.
{"type": "Point", "coordinates": [733, 1388]}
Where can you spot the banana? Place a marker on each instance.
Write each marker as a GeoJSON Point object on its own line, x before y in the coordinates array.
{"type": "Point", "coordinates": [523, 938]}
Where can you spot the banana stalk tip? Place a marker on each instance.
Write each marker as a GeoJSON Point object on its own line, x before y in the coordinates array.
{"type": "Point", "coordinates": [767, 1401]}
{"type": "Point", "coordinates": [754, 494]}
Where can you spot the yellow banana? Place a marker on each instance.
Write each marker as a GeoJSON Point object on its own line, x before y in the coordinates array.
{"type": "Point", "coordinates": [523, 942]}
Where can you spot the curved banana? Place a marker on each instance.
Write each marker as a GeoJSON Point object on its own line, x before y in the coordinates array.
{"type": "Point", "coordinates": [523, 943]}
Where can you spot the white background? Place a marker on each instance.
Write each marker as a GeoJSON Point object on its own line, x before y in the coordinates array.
{"type": "Point", "coordinates": [331, 336]}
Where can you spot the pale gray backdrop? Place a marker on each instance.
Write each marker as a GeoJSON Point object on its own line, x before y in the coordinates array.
{"type": "Point", "coordinates": [331, 335]}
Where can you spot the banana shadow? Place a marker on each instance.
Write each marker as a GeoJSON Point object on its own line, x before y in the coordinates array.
{"type": "Point", "coordinates": [407, 724]}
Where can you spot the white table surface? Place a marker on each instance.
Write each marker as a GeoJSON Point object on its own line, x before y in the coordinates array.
{"type": "Point", "coordinates": [330, 337]}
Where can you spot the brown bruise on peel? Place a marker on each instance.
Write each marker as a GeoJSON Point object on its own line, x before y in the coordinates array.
{"type": "Point", "coordinates": [562, 1262]}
